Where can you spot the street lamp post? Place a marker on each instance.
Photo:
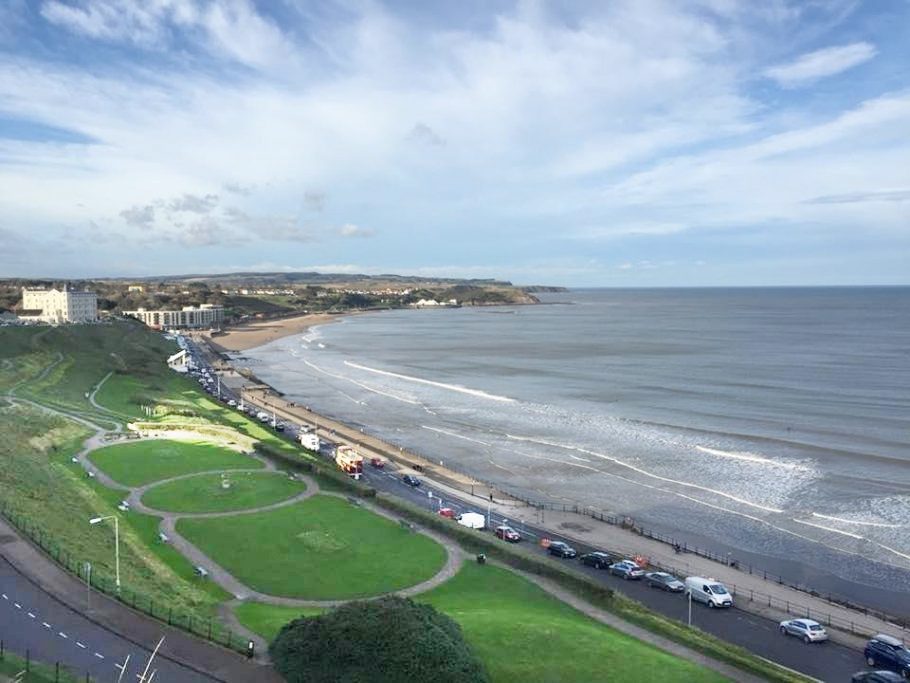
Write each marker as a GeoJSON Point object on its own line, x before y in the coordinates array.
{"type": "Point", "coordinates": [98, 520]}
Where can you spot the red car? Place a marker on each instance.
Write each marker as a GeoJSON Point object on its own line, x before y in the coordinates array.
{"type": "Point", "coordinates": [447, 512]}
{"type": "Point", "coordinates": [507, 533]}
{"type": "Point", "coordinates": [378, 463]}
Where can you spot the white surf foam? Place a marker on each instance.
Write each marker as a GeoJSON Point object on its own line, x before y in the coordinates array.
{"type": "Point", "coordinates": [442, 385]}
{"type": "Point", "coordinates": [455, 435]}
{"type": "Point", "coordinates": [831, 529]}
{"type": "Point", "coordinates": [882, 525]}
{"type": "Point", "coordinates": [361, 384]}
{"type": "Point", "coordinates": [646, 473]}
{"type": "Point", "coordinates": [750, 457]}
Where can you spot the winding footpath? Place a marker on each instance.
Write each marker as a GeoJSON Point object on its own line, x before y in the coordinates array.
{"type": "Point", "coordinates": [102, 437]}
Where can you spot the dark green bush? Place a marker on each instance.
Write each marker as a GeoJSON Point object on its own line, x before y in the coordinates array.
{"type": "Point", "coordinates": [389, 640]}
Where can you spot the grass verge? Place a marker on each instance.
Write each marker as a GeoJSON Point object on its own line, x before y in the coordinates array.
{"type": "Point", "coordinates": [224, 492]}
{"type": "Point", "coordinates": [321, 549]}
{"type": "Point", "coordinates": [145, 462]}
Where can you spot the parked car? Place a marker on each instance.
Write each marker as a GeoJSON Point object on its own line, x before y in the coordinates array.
{"type": "Point", "coordinates": [877, 677]}
{"type": "Point", "coordinates": [809, 630]}
{"type": "Point", "coordinates": [627, 569]}
{"type": "Point", "coordinates": [709, 591]}
{"type": "Point", "coordinates": [507, 533]}
{"type": "Point", "coordinates": [232, 403]}
{"type": "Point", "coordinates": [887, 652]}
{"type": "Point", "coordinates": [560, 549]}
{"type": "Point", "coordinates": [597, 560]}
{"type": "Point", "coordinates": [410, 480]}
{"type": "Point", "coordinates": [447, 512]}
{"type": "Point", "coordinates": [668, 582]}
{"type": "Point", "coordinates": [377, 462]}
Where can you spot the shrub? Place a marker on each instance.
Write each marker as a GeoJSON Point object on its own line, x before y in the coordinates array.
{"type": "Point", "coordinates": [381, 641]}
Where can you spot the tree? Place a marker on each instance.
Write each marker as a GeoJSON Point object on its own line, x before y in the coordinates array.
{"type": "Point", "coordinates": [380, 641]}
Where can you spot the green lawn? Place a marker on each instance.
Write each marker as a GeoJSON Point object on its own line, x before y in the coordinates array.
{"type": "Point", "coordinates": [267, 620]}
{"type": "Point", "coordinates": [522, 634]}
{"type": "Point", "coordinates": [321, 549]}
{"type": "Point", "coordinates": [144, 462]}
{"type": "Point", "coordinates": [206, 492]}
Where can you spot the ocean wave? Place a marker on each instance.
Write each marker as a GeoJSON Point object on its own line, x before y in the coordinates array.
{"type": "Point", "coordinates": [361, 385]}
{"type": "Point", "coordinates": [451, 387]}
{"type": "Point", "coordinates": [646, 473]}
{"type": "Point", "coordinates": [751, 457]}
{"type": "Point", "coordinates": [831, 529]}
{"type": "Point", "coordinates": [455, 435]}
{"type": "Point", "coordinates": [882, 525]}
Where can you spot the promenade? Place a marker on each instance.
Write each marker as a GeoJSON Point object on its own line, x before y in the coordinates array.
{"type": "Point", "coordinates": [754, 593]}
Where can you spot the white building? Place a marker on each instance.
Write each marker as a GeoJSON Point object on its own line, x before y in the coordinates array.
{"type": "Point", "coordinates": [189, 317]}
{"type": "Point", "coordinates": [56, 306]}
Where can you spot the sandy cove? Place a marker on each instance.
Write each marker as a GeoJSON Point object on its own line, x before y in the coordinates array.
{"type": "Point", "coordinates": [260, 332]}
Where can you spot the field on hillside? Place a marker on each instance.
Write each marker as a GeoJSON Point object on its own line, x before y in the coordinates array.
{"type": "Point", "coordinates": [522, 634]}
{"type": "Point", "coordinates": [207, 493]}
{"type": "Point", "coordinates": [321, 549]}
{"type": "Point", "coordinates": [144, 462]}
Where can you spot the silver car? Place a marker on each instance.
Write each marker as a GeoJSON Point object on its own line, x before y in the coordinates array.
{"type": "Point", "coordinates": [809, 630]}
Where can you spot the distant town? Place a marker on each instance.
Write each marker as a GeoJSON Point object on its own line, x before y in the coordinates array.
{"type": "Point", "coordinates": [195, 302]}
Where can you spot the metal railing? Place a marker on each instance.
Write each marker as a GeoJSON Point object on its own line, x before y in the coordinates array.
{"type": "Point", "coordinates": [205, 628]}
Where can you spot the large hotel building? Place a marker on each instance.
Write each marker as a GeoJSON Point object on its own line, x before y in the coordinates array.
{"type": "Point", "coordinates": [59, 306]}
{"type": "Point", "coordinates": [189, 317]}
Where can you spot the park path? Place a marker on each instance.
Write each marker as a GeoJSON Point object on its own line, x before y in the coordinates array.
{"type": "Point", "coordinates": [455, 554]}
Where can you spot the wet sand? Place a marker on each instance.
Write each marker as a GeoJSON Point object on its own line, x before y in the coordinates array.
{"type": "Point", "coordinates": [258, 333]}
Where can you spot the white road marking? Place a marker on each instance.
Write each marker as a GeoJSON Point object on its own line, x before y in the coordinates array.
{"type": "Point", "coordinates": [78, 644]}
{"type": "Point", "coordinates": [31, 615]}
{"type": "Point", "coordinates": [45, 624]}
{"type": "Point", "coordinates": [62, 634]}
{"type": "Point", "coordinates": [18, 606]}
{"type": "Point", "coordinates": [120, 666]}
{"type": "Point", "coordinates": [99, 655]}
{"type": "Point", "coordinates": [5, 597]}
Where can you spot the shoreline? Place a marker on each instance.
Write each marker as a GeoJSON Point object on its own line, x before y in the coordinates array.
{"type": "Point", "coordinates": [238, 338]}
{"type": "Point", "coordinates": [574, 522]}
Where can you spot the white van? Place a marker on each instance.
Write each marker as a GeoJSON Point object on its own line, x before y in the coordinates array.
{"type": "Point", "coordinates": [472, 520]}
{"type": "Point", "coordinates": [709, 591]}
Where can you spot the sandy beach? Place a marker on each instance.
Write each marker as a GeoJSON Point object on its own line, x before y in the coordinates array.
{"type": "Point", "coordinates": [251, 335]}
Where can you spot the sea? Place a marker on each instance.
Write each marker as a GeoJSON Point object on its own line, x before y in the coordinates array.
{"type": "Point", "coordinates": [770, 425]}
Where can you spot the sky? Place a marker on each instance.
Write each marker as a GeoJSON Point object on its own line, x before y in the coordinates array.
{"type": "Point", "coordinates": [616, 143]}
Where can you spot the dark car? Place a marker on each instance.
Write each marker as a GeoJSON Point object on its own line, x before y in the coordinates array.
{"type": "Point", "coordinates": [411, 480]}
{"type": "Point", "coordinates": [887, 652]}
{"type": "Point", "coordinates": [507, 533]}
{"type": "Point", "coordinates": [668, 582]}
{"type": "Point", "coordinates": [561, 549]}
{"type": "Point", "coordinates": [877, 677]}
{"type": "Point", "coordinates": [597, 560]}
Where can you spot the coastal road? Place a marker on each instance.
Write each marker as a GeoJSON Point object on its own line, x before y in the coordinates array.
{"type": "Point", "coordinates": [824, 661]}
{"type": "Point", "coordinates": [827, 661]}
{"type": "Point", "coordinates": [33, 621]}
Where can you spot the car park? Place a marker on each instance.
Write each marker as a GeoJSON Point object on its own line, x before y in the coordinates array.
{"type": "Point", "coordinates": [411, 480]}
{"type": "Point", "coordinates": [597, 559]}
{"type": "Point", "coordinates": [877, 677]}
{"type": "Point", "coordinates": [709, 591]}
{"type": "Point", "coordinates": [666, 581]}
{"type": "Point", "coordinates": [560, 549]}
{"type": "Point", "coordinates": [507, 533]}
{"type": "Point", "coordinates": [808, 630]}
{"type": "Point", "coordinates": [887, 652]}
{"type": "Point", "coordinates": [627, 569]}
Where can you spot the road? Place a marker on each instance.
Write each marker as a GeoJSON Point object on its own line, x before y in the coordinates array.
{"type": "Point", "coordinates": [825, 661]}
{"type": "Point", "coordinates": [51, 632]}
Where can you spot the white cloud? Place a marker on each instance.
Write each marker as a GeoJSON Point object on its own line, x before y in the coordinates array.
{"type": "Point", "coordinates": [351, 230]}
{"type": "Point", "coordinates": [230, 28]}
{"type": "Point", "coordinates": [821, 63]}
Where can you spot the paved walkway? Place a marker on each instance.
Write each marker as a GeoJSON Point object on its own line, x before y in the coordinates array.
{"type": "Point", "coordinates": [753, 592]}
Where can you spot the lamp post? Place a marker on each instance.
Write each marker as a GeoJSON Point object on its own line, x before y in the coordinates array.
{"type": "Point", "coordinates": [98, 520]}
